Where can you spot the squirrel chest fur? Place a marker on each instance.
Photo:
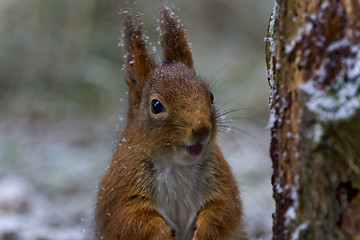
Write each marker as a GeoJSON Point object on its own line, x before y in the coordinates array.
{"type": "Point", "coordinates": [179, 194]}
{"type": "Point", "coordinates": [168, 178]}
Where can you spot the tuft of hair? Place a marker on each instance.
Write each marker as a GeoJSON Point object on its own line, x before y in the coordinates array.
{"type": "Point", "coordinates": [173, 38]}
{"type": "Point", "coordinates": [138, 62]}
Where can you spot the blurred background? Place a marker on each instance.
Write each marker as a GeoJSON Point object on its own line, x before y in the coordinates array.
{"type": "Point", "coordinates": [63, 103]}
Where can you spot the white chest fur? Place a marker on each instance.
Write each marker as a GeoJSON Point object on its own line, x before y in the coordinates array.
{"type": "Point", "coordinates": [179, 195]}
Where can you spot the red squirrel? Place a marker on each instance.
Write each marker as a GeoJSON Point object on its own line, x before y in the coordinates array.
{"type": "Point", "coordinates": [168, 178]}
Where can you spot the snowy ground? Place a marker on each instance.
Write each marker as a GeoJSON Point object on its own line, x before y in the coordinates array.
{"type": "Point", "coordinates": [48, 179]}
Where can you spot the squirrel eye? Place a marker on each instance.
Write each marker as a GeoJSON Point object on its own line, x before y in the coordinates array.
{"type": "Point", "coordinates": [157, 107]}
{"type": "Point", "coordinates": [211, 98]}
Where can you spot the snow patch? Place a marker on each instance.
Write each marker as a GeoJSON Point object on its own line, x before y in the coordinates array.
{"type": "Point", "coordinates": [14, 191]}
{"type": "Point", "coordinates": [318, 132]}
{"type": "Point", "coordinates": [297, 231]}
{"type": "Point", "coordinates": [272, 119]}
{"type": "Point", "coordinates": [271, 31]}
{"type": "Point", "coordinates": [339, 100]}
{"type": "Point", "coordinates": [305, 31]}
{"type": "Point", "coordinates": [290, 214]}
{"type": "Point", "coordinates": [342, 43]}
{"type": "Point", "coordinates": [324, 5]}
{"type": "Point", "coordinates": [354, 64]}
{"type": "Point", "coordinates": [273, 17]}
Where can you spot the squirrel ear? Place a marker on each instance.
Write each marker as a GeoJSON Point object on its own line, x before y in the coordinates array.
{"type": "Point", "coordinates": [138, 62]}
{"type": "Point", "coordinates": [173, 39]}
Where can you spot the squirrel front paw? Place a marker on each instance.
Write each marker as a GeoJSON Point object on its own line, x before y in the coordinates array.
{"type": "Point", "coordinates": [163, 233]}
{"type": "Point", "coordinates": [202, 233]}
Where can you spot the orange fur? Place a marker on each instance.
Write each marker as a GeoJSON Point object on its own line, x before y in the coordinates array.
{"type": "Point", "coordinates": [168, 178]}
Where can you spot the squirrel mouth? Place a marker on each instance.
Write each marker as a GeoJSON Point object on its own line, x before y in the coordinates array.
{"type": "Point", "coordinates": [194, 149]}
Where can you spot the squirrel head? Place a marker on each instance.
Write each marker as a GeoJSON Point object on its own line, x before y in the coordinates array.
{"type": "Point", "coordinates": [171, 111]}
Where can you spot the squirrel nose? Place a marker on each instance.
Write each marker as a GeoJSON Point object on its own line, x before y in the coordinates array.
{"type": "Point", "coordinates": [201, 132]}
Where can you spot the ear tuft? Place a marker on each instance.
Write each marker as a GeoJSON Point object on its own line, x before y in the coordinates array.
{"type": "Point", "coordinates": [173, 39]}
{"type": "Point", "coordinates": [138, 62]}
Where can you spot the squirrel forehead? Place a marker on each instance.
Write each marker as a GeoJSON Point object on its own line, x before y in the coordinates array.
{"type": "Point", "coordinates": [176, 79]}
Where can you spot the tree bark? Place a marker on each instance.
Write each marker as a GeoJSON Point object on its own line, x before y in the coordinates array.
{"type": "Point", "coordinates": [313, 62]}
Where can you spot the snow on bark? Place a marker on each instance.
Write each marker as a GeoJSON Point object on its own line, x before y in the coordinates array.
{"type": "Point", "coordinates": [313, 62]}
{"type": "Point", "coordinates": [340, 99]}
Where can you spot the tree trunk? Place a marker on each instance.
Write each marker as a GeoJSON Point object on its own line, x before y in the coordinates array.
{"type": "Point", "coordinates": [313, 62]}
